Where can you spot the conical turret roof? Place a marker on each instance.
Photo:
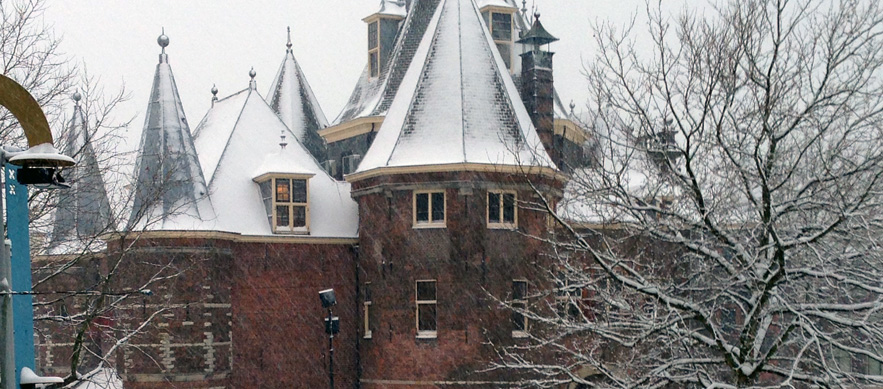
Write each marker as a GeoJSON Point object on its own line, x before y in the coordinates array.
{"type": "Point", "coordinates": [82, 212]}
{"type": "Point", "coordinates": [293, 100]}
{"type": "Point", "coordinates": [170, 191]}
{"type": "Point", "coordinates": [457, 103]}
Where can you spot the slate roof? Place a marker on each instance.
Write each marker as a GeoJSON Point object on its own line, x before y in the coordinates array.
{"type": "Point", "coordinates": [239, 140]}
{"type": "Point", "coordinates": [373, 95]}
{"type": "Point", "coordinates": [82, 212]}
{"type": "Point", "coordinates": [456, 103]}
{"type": "Point", "coordinates": [170, 191]}
{"type": "Point", "coordinates": [293, 100]}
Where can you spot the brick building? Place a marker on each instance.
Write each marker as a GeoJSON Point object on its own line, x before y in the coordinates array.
{"type": "Point", "coordinates": [411, 204]}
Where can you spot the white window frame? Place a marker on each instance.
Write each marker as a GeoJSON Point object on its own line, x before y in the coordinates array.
{"type": "Point", "coordinates": [522, 304]}
{"type": "Point", "coordinates": [367, 302]}
{"type": "Point", "coordinates": [511, 42]}
{"type": "Point", "coordinates": [291, 205]}
{"type": "Point", "coordinates": [502, 224]}
{"type": "Point", "coordinates": [425, 334]}
{"type": "Point", "coordinates": [430, 223]}
{"type": "Point", "coordinates": [374, 68]}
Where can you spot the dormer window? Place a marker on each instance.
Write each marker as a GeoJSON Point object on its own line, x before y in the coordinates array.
{"type": "Point", "coordinates": [499, 22]}
{"type": "Point", "coordinates": [286, 200]}
{"type": "Point", "coordinates": [374, 48]}
{"type": "Point", "coordinates": [382, 29]}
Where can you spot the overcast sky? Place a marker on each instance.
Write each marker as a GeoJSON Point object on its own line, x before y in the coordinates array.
{"type": "Point", "coordinates": [218, 41]}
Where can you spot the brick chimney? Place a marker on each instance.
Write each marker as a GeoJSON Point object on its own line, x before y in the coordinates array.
{"type": "Point", "coordinates": [537, 89]}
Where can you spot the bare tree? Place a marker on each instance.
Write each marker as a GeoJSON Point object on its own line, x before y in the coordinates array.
{"type": "Point", "coordinates": [730, 234]}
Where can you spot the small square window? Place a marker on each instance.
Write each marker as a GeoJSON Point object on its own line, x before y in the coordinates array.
{"type": "Point", "coordinates": [429, 209]}
{"type": "Point", "coordinates": [283, 190]}
{"type": "Point", "coordinates": [501, 209]}
{"type": "Point", "coordinates": [427, 326]}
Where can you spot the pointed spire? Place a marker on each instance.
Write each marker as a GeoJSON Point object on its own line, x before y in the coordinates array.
{"type": "Point", "coordinates": [429, 112]}
{"type": "Point", "coordinates": [168, 179]}
{"type": "Point", "coordinates": [83, 211]}
{"type": "Point", "coordinates": [291, 97]}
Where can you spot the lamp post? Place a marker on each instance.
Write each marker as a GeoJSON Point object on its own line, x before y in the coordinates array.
{"type": "Point", "coordinates": [332, 326]}
{"type": "Point", "coordinates": [39, 165]}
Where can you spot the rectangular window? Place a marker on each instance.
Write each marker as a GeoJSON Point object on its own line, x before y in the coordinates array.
{"type": "Point", "coordinates": [372, 35]}
{"type": "Point", "coordinates": [567, 298]}
{"type": "Point", "coordinates": [374, 62]}
{"type": "Point", "coordinates": [426, 309]}
{"type": "Point", "coordinates": [429, 209]}
{"type": "Point", "coordinates": [367, 304]}
{"type": "Point", "coordinates": [290, 205]}
{"type": "Point", "coordinates": [502, 27]}
{"type": "Point", "coordinates": [501, 209]}
{"type": "Point", "coordinates": [519, 302]}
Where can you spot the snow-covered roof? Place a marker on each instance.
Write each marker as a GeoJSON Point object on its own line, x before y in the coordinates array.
{"type": "Point", "coordinates": [457, 103]}
{"type": "Point", "coordinates": [396, 8]}
{"type": "Point", "coordinates": [82, 212]}
{"type": "Point", "coordinates": [170, 191]}
{"type": "Point", "coordinates": [239, 140]}
{"type": "Point", "coordinates": [293, 100]}
{"type": "Point", "coordinates": [373, 95]}
{"type": "Point", "coordinates": [494, 3]}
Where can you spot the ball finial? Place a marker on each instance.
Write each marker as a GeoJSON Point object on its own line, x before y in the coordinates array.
{"type": "Point", "coordinates": [252, 73]}
{"type": "Point", "coordinates": [77, 96]}
{"type": "Point", "coordinates": [289, 39]}
{"type": "Point", "coordinates": [214, 90]}
{"type": "Point", "coordinates": [163, 40]}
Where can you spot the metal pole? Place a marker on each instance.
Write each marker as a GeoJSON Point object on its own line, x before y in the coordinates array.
{"type": "Point", "coordinates": [330, 349]}
{"type": "Point", "coordinates": [7, 372]}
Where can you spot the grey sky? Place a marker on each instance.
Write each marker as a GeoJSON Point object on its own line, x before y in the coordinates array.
{"type": "Point", "coordinates": [217, 42]}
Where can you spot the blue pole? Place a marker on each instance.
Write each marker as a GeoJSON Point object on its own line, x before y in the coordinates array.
{"type": "Point", "coordinates": [22, 304]}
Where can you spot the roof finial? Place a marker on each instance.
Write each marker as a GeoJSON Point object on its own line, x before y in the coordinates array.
{"type": "Point", "coordinates": [572, 106]}
{"type": "Point", "coordinates": [282, 143]}
{"type": "Point", "coordinates": [214, 94]}
{"type": "Point", "coordinates": [252, 84]}
{"type": "Point", "coordinates": [76, 96]}
{"type": "Point", "coordinates": [163, 40]}
{"type": "Point", "coordinates": [523, 6]}
{"type": "Point", "coordinates": [289, 39]}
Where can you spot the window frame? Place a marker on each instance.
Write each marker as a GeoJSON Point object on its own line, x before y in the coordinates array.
{"type": "Point", "coordinates": [367, 302]}
{"type": "Point", "coordinates": [430, 223]}
{"type": "Point", "coordinates": [374, 52]}
{"type": "Point", "coordinates": [502, 224]}
{"type": "Point", "coordinates": [489, 20]}
{"type": "Point", "coordinates": [274, 203]}
{"type": "Point", "coordinates": [522, 304]}
{"type": "Point", "coordinates": [425, 334]}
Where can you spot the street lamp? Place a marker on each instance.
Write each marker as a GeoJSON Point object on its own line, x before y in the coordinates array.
{"type": "Point", "coordinates": [40, 164]}
{"type": "Point", "coordinates": [332, 326]}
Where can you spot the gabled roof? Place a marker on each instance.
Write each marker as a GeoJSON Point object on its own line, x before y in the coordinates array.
{"type": "Point", "coordinates": [170, 191]}
{"type": "Point", "coordinates": [82, 212]}
{"type": "Point", "coordinates": [373, 95]}
{"type": "Point", "coordinates": [293, 100]}
{"type": "Point", "coordinates": [239, 140]}
{"type": "Point", "coordinates": [457, 103]}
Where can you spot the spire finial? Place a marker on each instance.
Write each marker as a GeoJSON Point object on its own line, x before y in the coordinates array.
{"type": "Point", "coordinates": [252, 84]}
{"type": "Point", "coordinates": [163, 40]}
{"type": "Point", "coordinates": [76, 96]}
{"type": "Point", "coordinates": [214, 94]}
{"type": "Point", "coordinates": [523, 6]}
{"type": "Point", "coordinates": [572, 106]}
{"type": "Point", "coordinates": [289, 39]}
{"type": "Point", "coordinates": [282, 143]}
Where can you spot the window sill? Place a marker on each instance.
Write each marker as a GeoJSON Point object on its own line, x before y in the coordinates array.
{"type": "Point", "coordinates": [502, 226]}
{"type": "Point", "coordinates": [520, 334]}
{"type": "Point", "coordinates": [421, 226]}
{"type": "Point", "coordinates": [427, 335]}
